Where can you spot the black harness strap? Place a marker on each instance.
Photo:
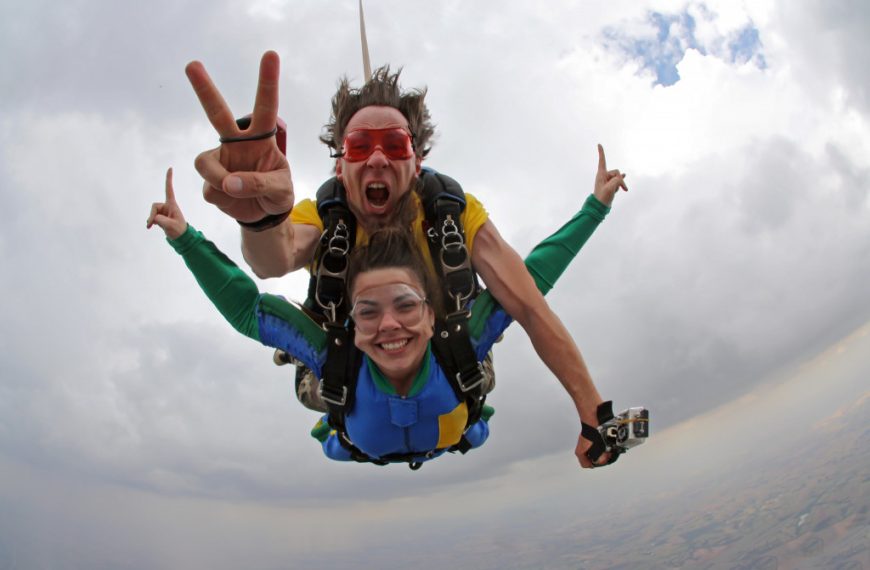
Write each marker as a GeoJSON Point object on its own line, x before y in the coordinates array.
{"type": "Point", "coordinates": [443, 204]}
{"type": "Point", "coordinates": [454, 353]}
{"type": "Point", "coordinates": [599, 446]}
{"type": "Point", "coordinates": [327, 285]}
{"type": "Point", "coordinates": [339, 372]}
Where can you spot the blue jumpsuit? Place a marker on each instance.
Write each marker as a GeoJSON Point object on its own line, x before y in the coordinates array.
{"type": "Point", "coordinates": [430, 418]}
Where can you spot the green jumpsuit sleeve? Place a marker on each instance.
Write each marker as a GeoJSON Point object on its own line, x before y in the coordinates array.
{"type": "Point", "coordinates": [549, 259]}
{"type": "Point", "coordinates": [229, 288]}
{"type": "Point", "coordinates": [266, 318]}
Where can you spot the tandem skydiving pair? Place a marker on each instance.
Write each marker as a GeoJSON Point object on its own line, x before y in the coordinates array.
{"type": "Point", "coordinates": [396, 330]}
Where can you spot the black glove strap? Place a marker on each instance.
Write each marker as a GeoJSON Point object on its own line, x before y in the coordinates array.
{"type": "Point", "coordinates": [604, 414]}
{"type": "Point", "coordinates": [246, 138]}
{"type": "Point", "coordinates": [243, 124]}
{"type": "Point", "coordinates": [266, 223]}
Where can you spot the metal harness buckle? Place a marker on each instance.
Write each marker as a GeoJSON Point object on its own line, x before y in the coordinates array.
{"type": "Point", "coordinates": [468, 387]}
{"type": "Point", "coordinates": [335, 401]}
{"type": "Point", "coordinates": [337, 246]}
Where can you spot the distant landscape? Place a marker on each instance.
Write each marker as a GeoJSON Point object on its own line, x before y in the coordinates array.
{"type": "Point", "coordinates": [806, 507]}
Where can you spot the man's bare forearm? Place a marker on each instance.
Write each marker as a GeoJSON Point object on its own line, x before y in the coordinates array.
{"type": "Point", "coordinates": [558, 351]}
{"type": "Point", "coordinates": [506, 276]}
{"type": "Point", "coordinates": [279, 250]}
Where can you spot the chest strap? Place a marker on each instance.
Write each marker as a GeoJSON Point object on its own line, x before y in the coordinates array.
{"type": "Point", "coordinates": [326, 288]}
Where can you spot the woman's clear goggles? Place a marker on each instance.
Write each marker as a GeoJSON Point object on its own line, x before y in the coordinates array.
{"type": "Point", "coordinates": [405, 305]}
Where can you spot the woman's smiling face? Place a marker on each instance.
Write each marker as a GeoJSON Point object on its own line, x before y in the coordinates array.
{"type": "Point", "coordinates": [394, 322]}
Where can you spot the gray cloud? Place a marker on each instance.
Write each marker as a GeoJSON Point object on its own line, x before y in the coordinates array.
{"type": "Point", "coordinates": [829, 38]}
{"type": "Point", "coordinates": [750, 267]}
{"type": "Point", "coordinates": [115, 371]}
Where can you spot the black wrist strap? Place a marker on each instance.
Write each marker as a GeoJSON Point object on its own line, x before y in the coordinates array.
{"type": "Point", "coordinates": [257, 137]}
{"type": "Point", "coordinates": [599, 446]}
{"type": "Point", "coordinates": [269, 221]}
{"type": "Point", "coordinates": [243, 124]}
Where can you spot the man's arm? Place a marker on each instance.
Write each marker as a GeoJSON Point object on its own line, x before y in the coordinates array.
{"type": "Point", "coordinates": [495, 260]}
{"type": "Point", "coordinates": [250, 180]}
{"type": "Point", "coordinates": [279, 250]}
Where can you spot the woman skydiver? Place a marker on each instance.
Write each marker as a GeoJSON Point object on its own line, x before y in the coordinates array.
{"type": "Point", "coordinates": [405, 409]}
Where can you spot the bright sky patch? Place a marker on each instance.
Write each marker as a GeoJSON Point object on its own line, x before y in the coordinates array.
{"type": "Point", "coordinates": [659, 43]}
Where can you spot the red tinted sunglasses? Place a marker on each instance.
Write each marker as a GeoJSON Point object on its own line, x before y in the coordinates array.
{"type": "Point", "coordinates": [395, 143]}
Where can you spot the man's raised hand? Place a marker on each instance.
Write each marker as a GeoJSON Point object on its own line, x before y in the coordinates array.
{"type": "Point", "coordinates": [248, 179]}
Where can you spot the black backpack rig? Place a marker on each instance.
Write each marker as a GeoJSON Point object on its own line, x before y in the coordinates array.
{"type": "Point", "coordinates": [443, 201]}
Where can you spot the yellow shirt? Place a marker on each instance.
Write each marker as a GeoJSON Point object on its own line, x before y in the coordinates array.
{"type": "Point", "coordinates": [474, 216]}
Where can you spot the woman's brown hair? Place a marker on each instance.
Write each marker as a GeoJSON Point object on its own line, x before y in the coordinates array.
{"type": "Point", "coordinates": [393, 247]}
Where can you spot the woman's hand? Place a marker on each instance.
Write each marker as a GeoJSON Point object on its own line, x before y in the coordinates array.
{"type": "Point", "coordinates": [167, 214]}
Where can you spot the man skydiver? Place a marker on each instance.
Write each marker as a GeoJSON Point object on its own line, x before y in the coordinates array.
{"type": "Point", "coordinates": [248, 178]}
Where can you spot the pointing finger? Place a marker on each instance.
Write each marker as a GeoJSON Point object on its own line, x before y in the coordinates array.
{"type": "Point", "coordinates": [170, 192]}
{"type": "Point", "coordinates": [602, 162]}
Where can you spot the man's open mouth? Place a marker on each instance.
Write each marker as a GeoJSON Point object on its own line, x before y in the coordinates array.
{"type": "Point", "coordinates": [377, 194]}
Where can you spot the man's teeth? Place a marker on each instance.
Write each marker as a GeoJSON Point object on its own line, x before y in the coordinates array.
{"type": "Point", "coordinates": [396, 345]}
{"type": "Point", "coordinates": [377, 193]}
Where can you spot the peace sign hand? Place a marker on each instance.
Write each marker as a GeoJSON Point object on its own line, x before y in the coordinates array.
{"type": "Point", "coordinates": [249, 179]}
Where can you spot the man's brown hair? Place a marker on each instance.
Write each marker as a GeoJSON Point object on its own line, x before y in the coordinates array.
{"type": "Point", "coordinates": [382, 89]}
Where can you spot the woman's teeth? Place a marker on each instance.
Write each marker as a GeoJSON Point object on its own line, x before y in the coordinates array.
{"type": "Point", "coordinates": [395, 345]}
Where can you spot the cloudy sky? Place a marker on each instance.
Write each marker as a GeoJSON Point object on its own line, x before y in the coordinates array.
{"type": "Point", "coordinates": [128, 405]}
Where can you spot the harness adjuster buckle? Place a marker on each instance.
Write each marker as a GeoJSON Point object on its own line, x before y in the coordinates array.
{"type": "Point", "coordinates": [457, 250]}
{"type": "Point", "coordinates": [332, 397]}
{"type": "Point", "coordinates": [332, 264]}
{"type": "Point", "coordinates": [477, 377]}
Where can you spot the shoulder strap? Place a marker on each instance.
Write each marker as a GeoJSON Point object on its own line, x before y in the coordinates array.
{"type": "Point", "coordinates": [443, 203]}
{"type": "Point", "coordinates": [326, 292]}
{"type": "Point", "coordinates": [340, 373]}
{"type": "Point", "coordinates": [453, 351]}
{"type": "Point", "coordinates": [326, 288]}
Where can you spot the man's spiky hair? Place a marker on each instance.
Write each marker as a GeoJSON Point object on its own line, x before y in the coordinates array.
{"type": "Point", "coordinates": [382, 89]}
